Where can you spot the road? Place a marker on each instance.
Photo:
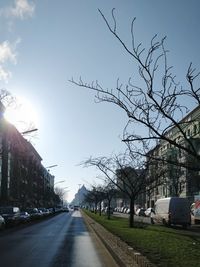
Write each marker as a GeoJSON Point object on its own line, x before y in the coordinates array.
{"type": "Point", "coordinates": [59, 241]}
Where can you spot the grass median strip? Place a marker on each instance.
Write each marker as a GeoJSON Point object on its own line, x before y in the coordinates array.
{"type": "Point", "coordinates": [166, 247]}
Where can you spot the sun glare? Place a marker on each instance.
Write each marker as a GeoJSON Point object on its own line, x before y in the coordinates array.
{"type": "Point", "coordinates": [22, 115]}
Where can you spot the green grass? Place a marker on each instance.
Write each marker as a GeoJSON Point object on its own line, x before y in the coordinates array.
{"type": "Point", "coordinates": [166, 247]}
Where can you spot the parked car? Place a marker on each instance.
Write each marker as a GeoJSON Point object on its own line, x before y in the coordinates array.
{"type": "Point", "coordinates": [24, 217]}
{"type": "Point", "coordinates": [34, 213]}
{"type": "Point", "coordinates": [11, 215]}
{"type": "Point", "coordinates": [2, 222]}
{"type": "Point", "coordinates": [127, 210]}
{"type": "Point", "coordinates": [43, 211]}
{"type": "Point", "coordinates": [140, 212]}
{"type": "Point", "coordinates": [149, 212]}
{"type": "Point", "coordinates": [66, 209]}
{"type": "Point", "coordinates": [172, 210]}
{"type": "Point", "coordinates": [51, 211]}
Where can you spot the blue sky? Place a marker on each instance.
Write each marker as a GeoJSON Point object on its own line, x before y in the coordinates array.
{"type": "Point", "coordinates": [43, 44]}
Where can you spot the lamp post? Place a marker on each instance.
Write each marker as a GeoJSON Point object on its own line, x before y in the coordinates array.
{"type": "Point", "coordinates": [59, 182]}
{"type": "Point", "coordinates": [51, 166]}
{"type": "Point", "coordinates": [29, 131]}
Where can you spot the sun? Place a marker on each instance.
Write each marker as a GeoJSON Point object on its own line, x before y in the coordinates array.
{"type": "Point", "coordinates": [21, 114]}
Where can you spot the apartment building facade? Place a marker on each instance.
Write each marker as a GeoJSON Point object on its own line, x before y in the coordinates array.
{"type": "Point", "coordinates": [24, 181]}
{"type": "Point", "coordinates": [182, 171]}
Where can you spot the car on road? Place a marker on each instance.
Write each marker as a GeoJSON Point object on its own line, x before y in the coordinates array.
{"type": "Point", "coordinates": [140, 212]}
{"type": "Point", "coordinates": [11, 215]}
{"type": "Point", "coordinates": [149, 212]}
{"type": "Point", "coordinates": [172, 211]}
{"type": "Point", "coordinates": [44, 211]}
{"type": "Point", "coordinates": [24, 217]}
{"type": "Point", "coordinates": [65, 209]}
{"type": "Point", "coordinates": [2, 222]}
{"type": "Point", "coordinates": [34, 213]}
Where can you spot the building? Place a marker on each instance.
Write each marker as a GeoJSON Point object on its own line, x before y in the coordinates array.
{"type": "Point", "coordinates": [182, 170]}
{"type": "Point", "coordinates": [80, 196]}
{"type": "Point", "coordinates": [130, 181]}
{"type": "Point", "coordinates": [24, 181]}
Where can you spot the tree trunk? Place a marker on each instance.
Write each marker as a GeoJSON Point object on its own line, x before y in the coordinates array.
{"type": "Point", "coordinates": [131, 217]}
{"type": "Point", "coordinates": [108, 211]}
{"type": "Point", "coordinates": [100, 208]}
{"type": "Point", "coordinates": [95, 208]}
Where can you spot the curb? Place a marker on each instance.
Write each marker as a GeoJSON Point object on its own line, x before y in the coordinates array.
{"type": "Point", "coordinates": [123, 254]}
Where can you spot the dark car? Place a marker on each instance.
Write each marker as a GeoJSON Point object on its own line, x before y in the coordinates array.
{"type": "Point", "coordinates": [66, 209]}
{"type": "Point", "coordinates": [34, 213]}
{"type": "Point", "coordinates": [141, 212]}
{"type": "Point", "coordinates": [2, 222]}
{"type": "Point", "coordinates": [44, 211]}
{"type": "Point", "coordinates": [11, 215]}
{"type": "Point", "coordinates": [25, 217]}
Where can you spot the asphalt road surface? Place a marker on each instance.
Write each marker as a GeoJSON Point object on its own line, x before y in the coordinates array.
{"type": "Point", "coordinates": [59, 241]}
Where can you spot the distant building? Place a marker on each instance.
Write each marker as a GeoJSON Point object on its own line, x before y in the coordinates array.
{"type": "Point", "coordinates": [79, 196]}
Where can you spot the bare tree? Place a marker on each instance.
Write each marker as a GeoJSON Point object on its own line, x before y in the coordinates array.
{"type": "Point", "coordinates": [60, 192]}
{"type": "Point", "coordinates": [151, 98]}
{"type": "Point", "coordinates": [7, 98]}
{"type": "Point", "coordinates": [129, 174]}
{"type": "Point", "coordinates": [110, 192]}
{"type": "Point", "coordinates": [95, 197]}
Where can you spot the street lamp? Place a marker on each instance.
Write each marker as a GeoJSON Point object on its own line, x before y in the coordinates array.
{"type": "Point", "coordinates": [52, 166]}
{"type": "Point", "coordinates": [59, 182]}
{"type": "Point", "coordinates": [29, 131]}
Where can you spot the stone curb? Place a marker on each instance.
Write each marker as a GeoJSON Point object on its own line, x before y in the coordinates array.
{"type": "Point", "coordinates": [124, 255]}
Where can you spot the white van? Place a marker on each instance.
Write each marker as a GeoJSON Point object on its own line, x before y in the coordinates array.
{"type": "Point", "coordinates": [172, 210]}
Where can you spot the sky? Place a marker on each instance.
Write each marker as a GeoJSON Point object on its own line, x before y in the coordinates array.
{"type": "Point", "coordinates": [44, 43]}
